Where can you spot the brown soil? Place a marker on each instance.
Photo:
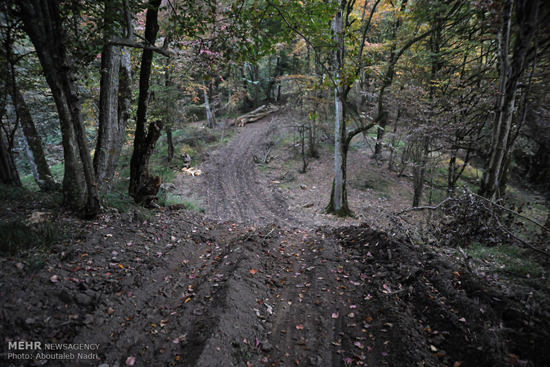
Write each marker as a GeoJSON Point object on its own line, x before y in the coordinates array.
{"type": "Point", "coordinates": [264, 279]}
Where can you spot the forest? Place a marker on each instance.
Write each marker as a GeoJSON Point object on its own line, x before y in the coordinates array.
{"type": "Point", "coordinates": [275, 182]}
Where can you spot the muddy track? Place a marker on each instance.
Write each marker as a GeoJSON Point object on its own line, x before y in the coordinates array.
{"type": "Point", "coordinates": [177, 289]}
{"type": "Point", "coordinates": [232, 187]}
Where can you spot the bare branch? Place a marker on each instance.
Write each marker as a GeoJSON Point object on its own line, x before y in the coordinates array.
{"type": "Point", "coordinates": [129, 43]}
{"type": "Point", "coordinates": [426, 207]}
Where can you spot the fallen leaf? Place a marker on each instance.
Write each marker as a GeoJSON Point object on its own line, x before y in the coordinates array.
{"type": "Point", "coordinates": [457, 364]}
{"type": "Point", "coordinates": [335, 315]}
{"type": "Point", "coordinates": [348, 360]}
{"type": "Point", "coordinates": [130, 361]}
{"type": "Point", "coordinates": [253, 271]}
{"type": "Point", "coordinates": [300, 327]}
{"type": "Point", "coordinates": [52, 334]}
{"type": "Point", "coordinates": [54, 279]}
{"type": "Point", "coordinates": [110, 311]}
{"type": "Point", "coordinates": [368, 318]}
{"type": "Point", "coordinates": [351, 315]}
{"type": "Point", "coordinates": [73, 317]}
{"type": "Point", "coordinates": [358, 345]}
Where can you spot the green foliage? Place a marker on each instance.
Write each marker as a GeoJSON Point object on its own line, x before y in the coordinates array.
{"type": "Point", "coordinates": [119, 200]}
{"type": "Point", "coordinates": [510, 260]}
{"type": "Point", "coordinates": [166, 199]}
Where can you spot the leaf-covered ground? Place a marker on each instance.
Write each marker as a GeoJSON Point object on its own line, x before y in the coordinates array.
{"type": "Point", "coordinates": [264, 289]}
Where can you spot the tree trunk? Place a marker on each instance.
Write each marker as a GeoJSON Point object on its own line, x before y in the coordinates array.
{"type": "Point", "coordinates": [124, 97]}
{"type": "Point", "coordinates": [380, 132]}
{"type": "Point", "coordinates": [109, 129]}
{"type": "Point", "coordinates": [114, 101]}
{"type": "Point", "coordinates": [211, 122]}
{"type": "Point", "coordinates": [419, 170]}
{"type": "Point", "coordinates": [8, 170]}
{"type": "Point", "coordinates": [170, 142]}
{"type": "Point", "coordinates": [511, 70]}
{"type": "Point", "coordinates": [149, 186]}
{"type": "Point", "coordinates": [142, 187]}
{"type": "Point", "coordinates": [312, 135]}
{"type": "Point", "coordinates": [43, 24]}
{"type": "Point", "coordinates": [39, 165]}
{"type": "Point", "coordinates": [338, 204]}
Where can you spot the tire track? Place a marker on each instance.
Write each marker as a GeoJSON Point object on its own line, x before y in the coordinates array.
{"type": "Point", "coordinates": [232, 187]}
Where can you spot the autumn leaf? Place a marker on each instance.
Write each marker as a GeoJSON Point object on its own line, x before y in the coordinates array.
{"type": "Point", "coordinates": [253, 271]}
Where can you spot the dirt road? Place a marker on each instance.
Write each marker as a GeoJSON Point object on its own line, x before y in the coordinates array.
{"type": "Point", "coordinates": [232, 187]}
{"type": "Point", "coordinates": [252, 286]}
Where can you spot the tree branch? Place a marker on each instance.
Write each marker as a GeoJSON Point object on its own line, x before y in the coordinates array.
{"type": "Point", "coordinates": [425, 207]}
{"type": "Point", "coordinates": [129, 43]}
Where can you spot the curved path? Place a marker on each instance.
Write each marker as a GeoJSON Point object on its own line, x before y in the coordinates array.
{"type": "Point", "coordinates": [232, 187]}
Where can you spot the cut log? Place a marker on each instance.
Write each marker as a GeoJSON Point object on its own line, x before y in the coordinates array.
{"type": "Point", "coordinates": [255, 115]}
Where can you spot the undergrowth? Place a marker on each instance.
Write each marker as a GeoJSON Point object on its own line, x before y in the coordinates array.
{"type": "Point", "coordinates": [17, 238]}
{"type": "Point", "coordinates": [506, 259]}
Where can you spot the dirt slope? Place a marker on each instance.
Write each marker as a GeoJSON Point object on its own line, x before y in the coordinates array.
{"type": "Point", "coordinates": [251, 286]}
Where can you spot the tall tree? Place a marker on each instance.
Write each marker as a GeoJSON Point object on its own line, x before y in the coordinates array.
{"type": "Point", "coordinates": [43, 23]}
{"type": "Point", "coordinates": [111, 128]}
{"type": "Point", "coordinates": [512, 64]}
{"type": "Point", "coordinates": [143, 187]}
